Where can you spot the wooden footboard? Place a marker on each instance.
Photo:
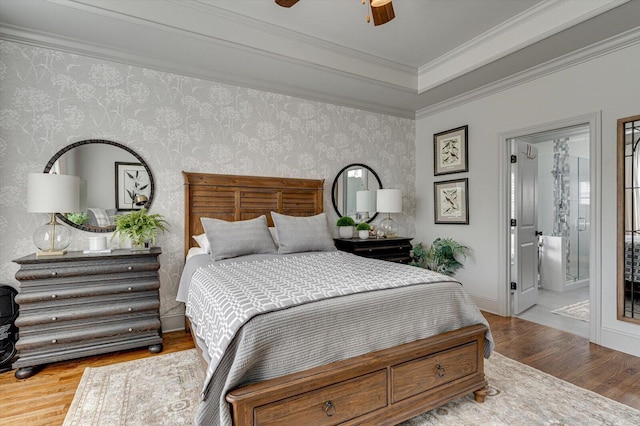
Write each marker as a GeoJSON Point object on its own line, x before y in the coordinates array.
{"type": "Point", "coordinates": [382, 388]}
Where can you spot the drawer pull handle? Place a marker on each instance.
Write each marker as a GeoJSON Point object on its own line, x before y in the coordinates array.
{"type": "Point", "coordinates": [54, 341]}
{"type": "Point", "coordinates": [129, 268]}
{"type": "Point", "coordinates": [129, 289]}
{"type": "Point", "coordinates": [53, 296]}
{"type": "Point", "coordinates": [130, 309]}
{"type": "Point", "coordinates": [440, 370]}
{"type": "Point", "coordinates": [131, 329]}
{"type": "Point", "coordinates": [54, 318]}
{"type": "Point", "coordinates": [54, 274]}
{"type": "Point", "coordinates": [329, 409]}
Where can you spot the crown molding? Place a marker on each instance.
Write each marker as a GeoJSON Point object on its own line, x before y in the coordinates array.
{"type": "Point", "coordinates": [583, 55]}
{"type": "Point", "coordinates": [547, 18]}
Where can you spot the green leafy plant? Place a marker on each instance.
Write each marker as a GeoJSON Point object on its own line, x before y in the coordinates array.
{"type": "Point", "coordinates": [363, 226]}
{"type": "Point", "coordinates": [346, 221]}
{"type": "Point", "coordinates": [79, 218]}
{"type": "Point", "coordinates": [440, 256]}
{"type": "Point", "coordinates": [140, 227]}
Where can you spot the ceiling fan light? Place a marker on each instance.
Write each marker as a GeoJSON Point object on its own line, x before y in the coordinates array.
{"type": "Point", "coordinates": [382, 11]}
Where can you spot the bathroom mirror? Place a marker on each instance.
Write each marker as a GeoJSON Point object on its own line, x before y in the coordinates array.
{"type": "Point", "coordinates": [351, 179]}
{"type": "Point", "coordinates": [114, 180]}
{"type": "Point", "coordinates": [629, 219]}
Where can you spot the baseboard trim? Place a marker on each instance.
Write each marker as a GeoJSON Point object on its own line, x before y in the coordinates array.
{"type": "Point", "coordinates": [173, 322]}
{"type": "Point", "coordinates": [487, 305]}
{"type": "Point", "coordinates": [620, 341]}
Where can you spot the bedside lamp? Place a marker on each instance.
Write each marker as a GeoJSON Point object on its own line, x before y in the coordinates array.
{"type": "Point", "coordinates": [388, 201]}
{"type": "Point", "coordinates": [52, 193]}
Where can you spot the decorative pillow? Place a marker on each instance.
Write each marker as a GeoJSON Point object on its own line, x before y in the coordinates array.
{"type": "Point", "coordinates": [296, 234]}
{"type": "Point", "coordinates": [274, 234]}
{"type": "Point", "coordinates": [232, 239]}
{"type": "Point", "coordinates": [202, 242]}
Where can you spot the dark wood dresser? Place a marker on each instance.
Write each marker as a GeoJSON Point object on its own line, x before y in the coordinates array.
{"type": "Point", "coordinates": [79, 305]}
{"type": "Point", "coordinates": [393, 249]}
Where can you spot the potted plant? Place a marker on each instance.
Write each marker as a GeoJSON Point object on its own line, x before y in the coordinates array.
{"type": "Point", "coordinates": [140, 227]}
{"type": "Point", "coordinates": [363, 229]}
{"type": "Point", "coordinates": [440, 256]}
{"type": "Point", "coordinates": [345, 226]}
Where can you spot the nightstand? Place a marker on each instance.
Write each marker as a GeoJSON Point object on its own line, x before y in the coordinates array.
{"type": "Point", "coordinates": [393, 249]}
{"type": "Point", "coordinates": [79, 305]}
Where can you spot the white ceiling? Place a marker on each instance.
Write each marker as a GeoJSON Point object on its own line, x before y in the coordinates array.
{"type": "Point", "coordinates": [432, 51]}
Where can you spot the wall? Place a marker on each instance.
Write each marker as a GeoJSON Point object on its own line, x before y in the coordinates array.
{"type": "Point", "coordinates": [609, 84]}
{"type": "Point", "coordinates": [50, 99]}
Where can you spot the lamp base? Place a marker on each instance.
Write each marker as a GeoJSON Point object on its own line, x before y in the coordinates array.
{"type": "Point", "coordinates": [388, 227]}
{"type": "Point", "coordinates": [41, 253]}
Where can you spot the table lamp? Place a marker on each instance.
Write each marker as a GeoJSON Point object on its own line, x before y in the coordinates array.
{"type": "Point", "coordinates": [388, 201]}
{"type": "Point", "coordinates": [52, 193]}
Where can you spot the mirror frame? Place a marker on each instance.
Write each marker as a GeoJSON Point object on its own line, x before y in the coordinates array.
{"type": "Point", "coordinates": [69, 147]}
{"type": "Point", "coordinates": [622, 205]}
{"type": "Point", "coordinates": [335, 184]}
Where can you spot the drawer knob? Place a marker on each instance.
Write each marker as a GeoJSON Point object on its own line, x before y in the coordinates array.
{"type": "Point", "coordinates": [129, 268]}
{"type": "Point", "coordinates": [129, 289]}
{"type": "Point", "coordinates": [54, 274]}
{"type": "Point", "coordinates": [130, 309]}
{"type": "Point", "coordinates": [54, 341]}
{"type": "Point", "coordinates": [54, 318]}
{"type": "Point", "coordinates": [131, 329]}
{"type": "Point", "coordinates": [440, 370]}
{"type": "Point", "coordinates": [53, 296]}
{"type": "Point", "coordinates": [329, 409]}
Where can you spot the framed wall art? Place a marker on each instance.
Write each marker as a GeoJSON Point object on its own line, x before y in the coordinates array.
{"type": "Point", "coordinates": [451, 201]}
{"type": "Point", "coordinates": [450, 151]}
{"type": "Point", "coordinates": [132, 180]}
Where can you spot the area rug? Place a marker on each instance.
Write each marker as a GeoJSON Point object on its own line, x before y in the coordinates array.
{"type": "Point", "coordinates": [579, 311]}
{"type": "Point", "coordinates": [163, 390]}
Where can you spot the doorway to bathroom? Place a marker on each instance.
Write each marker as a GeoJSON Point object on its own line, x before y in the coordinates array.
{"type": "Point", "coordinates": [550, 238]}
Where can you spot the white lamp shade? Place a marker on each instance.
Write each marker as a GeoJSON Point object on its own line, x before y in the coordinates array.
{"type": "Point", "coordinates": [389, 201]}
{"type": "Point", "coordinates": [363, 201]}
{"type": "Point", "coordinates": [51, 193]}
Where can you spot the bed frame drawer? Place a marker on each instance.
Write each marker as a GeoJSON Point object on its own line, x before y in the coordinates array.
{"type": "Point", "coordinates": [382, 388]}
{"type": "Point", "coordinates": [420, 375]}
{"type": "Point", "coordinates": [330, 405]}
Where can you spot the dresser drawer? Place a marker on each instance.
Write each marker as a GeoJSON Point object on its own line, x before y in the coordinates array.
{"type": "Point", "coordinates": [419, 375]}
{"type": "Point", "coordinates": [77, 289]}
{"type": "Point", "coordinates": [86, 308]}
{"type": "Point", "coordinates": [59, 338]}
{"type": "Point", "coordinates": [87, 266]}
{"type": "Point", "coordinates": [330, 405]}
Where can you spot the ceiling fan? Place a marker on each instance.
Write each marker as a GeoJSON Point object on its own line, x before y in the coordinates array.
{"type": "Point", "coordinates": [381, 10]}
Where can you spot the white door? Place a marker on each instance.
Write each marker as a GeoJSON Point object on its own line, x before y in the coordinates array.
{"type": "Point", "coordinates": [524, 275]}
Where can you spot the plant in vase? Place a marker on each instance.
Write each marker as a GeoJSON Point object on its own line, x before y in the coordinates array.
{"type": "Point", "coordinates": [140, 227]}
{"type": "Point", "coordinates": [363, 229]}
{"type": "Point", "coordinates": [440, 256]}
{"type": "Point", "coordinates": [345, 226]}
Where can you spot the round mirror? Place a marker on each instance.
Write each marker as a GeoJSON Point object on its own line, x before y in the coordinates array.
{"type": "Point", "coordinates": [114, 179]}
{"type": "Point", "coordinates": [354, 192]}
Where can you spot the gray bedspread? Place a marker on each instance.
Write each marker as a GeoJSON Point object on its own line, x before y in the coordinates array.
{"type": "Point", "coordinates": [375, 305]}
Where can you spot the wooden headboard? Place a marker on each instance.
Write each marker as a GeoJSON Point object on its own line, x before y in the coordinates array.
{"type": "Point", "coordinates": [233, 198]}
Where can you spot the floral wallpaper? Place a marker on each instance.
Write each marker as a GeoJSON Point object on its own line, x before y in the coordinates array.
{"type": "Point", "coordinates": [49, 99]}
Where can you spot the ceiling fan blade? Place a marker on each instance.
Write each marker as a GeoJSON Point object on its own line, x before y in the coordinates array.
{"type": "Point", "coordinates": [286, 3]}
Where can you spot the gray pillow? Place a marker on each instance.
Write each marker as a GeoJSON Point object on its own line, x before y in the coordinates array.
{"type": "Point", "coordinates": [232, 239]}
{"type": "Point", "coordinates": [297, 234]}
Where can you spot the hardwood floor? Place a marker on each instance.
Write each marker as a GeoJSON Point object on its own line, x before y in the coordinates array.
{"type": "Point", "coordinates": [44, 398]}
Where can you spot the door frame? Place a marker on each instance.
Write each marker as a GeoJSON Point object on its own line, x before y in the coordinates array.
{"type": "Point", "coordinates": [593, 120]}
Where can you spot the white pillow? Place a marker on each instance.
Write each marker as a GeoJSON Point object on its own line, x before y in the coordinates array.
{"type": "Point", "coordinates": [298, 234]}
{"type": "Point", "coordinates": [202, 242]}
{"type": "Point", "coordinates": [232, 239]}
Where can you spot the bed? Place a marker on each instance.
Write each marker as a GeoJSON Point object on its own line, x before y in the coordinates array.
{"type": "Point", "coordinates": [379, 351]}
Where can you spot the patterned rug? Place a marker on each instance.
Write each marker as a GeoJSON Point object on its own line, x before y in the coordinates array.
{"type": "Point", "coordinates": [163, 390]}
{"type": "Point", "coordinates": [579, 311]}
